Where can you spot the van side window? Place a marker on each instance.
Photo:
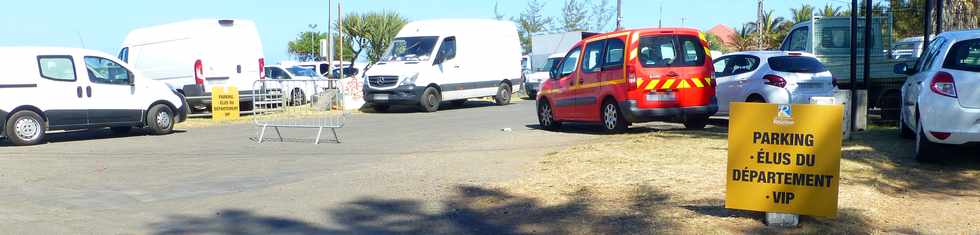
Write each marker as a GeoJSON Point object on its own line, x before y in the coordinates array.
{"type": "Point", "coordinates": [615, 53]}
{"type": "Point", "coordinates": [124, 54]}
{"type": "Point", "coordinates": [104, 71]}
{"type": "Point", "coordinates": [447, 51]}
{"type": "Point", "coordinates": [58, 68]}
{"type": "Point", "coordinates": [693, 51]}
{"type": "Point", "coordinates": [797, 40]}
{"type": "Point", "coordinates": [570, 63]}
{"type": "Point", "coordinates": [593, 57]}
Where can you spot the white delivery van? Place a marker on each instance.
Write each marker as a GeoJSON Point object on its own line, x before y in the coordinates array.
{"type": "Point", "coordinates": [64, 89]}
{"type": "Point", "coordinates": [194, 56]}
{"type": "Point", "coordinates": [446, 60]}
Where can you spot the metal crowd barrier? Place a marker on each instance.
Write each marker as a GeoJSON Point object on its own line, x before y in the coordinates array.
{"type": "Point", "coordinates": [311, 104]}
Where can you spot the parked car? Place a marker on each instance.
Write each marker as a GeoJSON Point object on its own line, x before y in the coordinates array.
{"type": "Point", "coordinates": [321, 67]}
{"type": "Point", "coordinates": [907, 48]}
{"type": "Point", "coordinates": [46, 89]}
{"type": "Point", "coordinates": [349, 71]}
{"type": "Point", "coordinates": [533, 80]}
{"type": "Point", "coordinates": [301, 91]}
{"type": "Point", "coordinates": [941, 98]}
{"type": "Point", "coordinates": [446, 60]}
{"type": "Point", "coordinates": [770, 77]}
{"type": "Point", "coordinates": [632, 76]}
{"type": "Point", "coordinates": [194, 56]}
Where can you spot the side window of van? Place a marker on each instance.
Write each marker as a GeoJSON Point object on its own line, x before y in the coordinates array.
{"type": "Point", "coordinates": [570, 63]}
{"type": "Point", "coordinates": [124, 54]}
{"type": "Point", "coordinates": [58, 68]}
{"type": "Point", "coordinates": [615, 53]}
{"type": "Point", "coordinates": [797, 40]}
{"type": "Point", "coordinates": [104, 71]}
{"type": "Point", "coordinates": [692, 51]}
{"type": "Point", "coordinates": [593, 57]}
{"type": "Point", "coordinates": [447, 51]}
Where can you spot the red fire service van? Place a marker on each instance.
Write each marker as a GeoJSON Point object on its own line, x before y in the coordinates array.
{"type": "Point", "coordinates": [632, 76]}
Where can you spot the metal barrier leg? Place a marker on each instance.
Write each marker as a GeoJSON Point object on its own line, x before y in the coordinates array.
{"type": "Point", "coordinates": [280, 134]}
{"type": "Point", "coordinates": [335, 136]}
{"type": "Point", "coordinates": [262, 133]}
{"type": "Point", "coordinates": [318, 133]}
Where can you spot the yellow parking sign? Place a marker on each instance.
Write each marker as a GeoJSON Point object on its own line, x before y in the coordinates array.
{"type": "Point", "coordinates": [784, 158]}
{"type": "Point", "coordinates": [224, 103]}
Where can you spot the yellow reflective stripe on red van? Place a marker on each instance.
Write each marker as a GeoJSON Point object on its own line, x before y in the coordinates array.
{"type": "Point", "coordinates": [673, 84]}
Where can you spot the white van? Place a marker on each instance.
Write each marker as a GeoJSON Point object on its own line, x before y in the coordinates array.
{"type": "Point", "coordinates": [446, 60]}
{"type": "Point", "coordinates": [64, 89]}
{"type": "Point", "coordinates": [193, 56]}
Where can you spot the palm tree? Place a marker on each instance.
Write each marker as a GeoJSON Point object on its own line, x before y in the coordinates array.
{"type": "Point", "coordinates": [744, 40]}
{"type": "Point", "coordinates": [804, 13]}
{"type": "Point", "coordinates": [773, 29]}
{"type": "Point", "coordinates": [829, 10]}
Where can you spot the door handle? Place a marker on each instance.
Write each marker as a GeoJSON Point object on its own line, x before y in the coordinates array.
{"type": "Point", "coordinates": [79, 91]}
{"type": "Point", "coordinates": [88, 91]}
{"type": "Point", "coordinates": [673, 74]}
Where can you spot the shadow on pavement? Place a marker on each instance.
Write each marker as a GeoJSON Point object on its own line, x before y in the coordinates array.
{"type": "Point", "coordinates": [444, 106]}
{"type": "Point", "coordinates": [87, 135]}
{"type": "Point", "coordinates": [896, 170]}
{"type": "Point", "coordinates": [471, 210]}
{"type": "Point", "coordinates": [717, 128]}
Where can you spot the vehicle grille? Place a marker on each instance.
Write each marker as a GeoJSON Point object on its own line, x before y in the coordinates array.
{"type": "Point", "coordinates": [382, 81]}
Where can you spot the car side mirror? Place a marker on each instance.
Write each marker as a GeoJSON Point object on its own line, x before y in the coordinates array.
{"type": "Point", "coordinates": [553, 74]}
{"type": "Point", "coordinates": [902, 68]}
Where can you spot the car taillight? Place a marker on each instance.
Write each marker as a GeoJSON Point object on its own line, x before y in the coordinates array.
{"type": "Point", "coordinates": [943, 84]}
{"type": "Point", "coordinates": [774, 80]}
{"type": "Point", "coordinates": [261, 68]}
{"type": "Point", "coordinates": [940, 135]}
{"type": "Point", "coordinates": [199, 72]}
{"type": "Point", "coordinates": [630, 78]}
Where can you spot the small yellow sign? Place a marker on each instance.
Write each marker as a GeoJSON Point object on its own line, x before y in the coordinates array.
{"type": "Point", "coordinates": [784, 158]}
{"type": "Point", "coordinates": [224, 103]}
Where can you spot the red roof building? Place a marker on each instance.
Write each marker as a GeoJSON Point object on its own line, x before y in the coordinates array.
{"type": "Point", "coordinates": [724, 32]}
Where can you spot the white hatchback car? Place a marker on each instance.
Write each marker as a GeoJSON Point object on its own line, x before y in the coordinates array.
{"type": "Point", "coordinates": [941, 97]}
{"type": "Point", "coordinates": [67, 89]}
{"type": "Point", "coordinates": [304, 82]}
{"type": "Point", "coordinates": [770, 77]}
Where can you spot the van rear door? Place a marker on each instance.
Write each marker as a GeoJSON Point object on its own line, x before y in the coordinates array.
{"type": "Point", "coordinates": [231, 55]}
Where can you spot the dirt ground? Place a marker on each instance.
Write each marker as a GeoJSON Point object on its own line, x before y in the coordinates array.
{"type": "Point", "coordinates": [663, 178]}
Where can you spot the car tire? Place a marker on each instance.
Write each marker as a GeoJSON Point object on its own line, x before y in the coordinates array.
{"type": "Point", "coordinates": [546, 116]}
{"type": "Point", "coordinates": [904, 131]}
{"type": "Point", "coordinates": [755, 99]}
{"type": "Point", "coordinates": [430, 100]}
{"type": "Point", "coordinates": [121, 130]}
{"type": "Point", "coordinates": [297, 97]}
{"type": "Point", "coordinates": [613, 120]}
{"type": "Point", "coordinates": [381, 107]}
{"type": "Point", "coordinates": [532, 94]}
{"type": "Point", "coordinates": [25, 128]}
{"type": "Point", "coordinates": [696, 123]}
{"type": "Point", "coordinates": [925, 150]}
{"type": "Point", "coordinates": [160, 120]}
{"type": "Point", "coordinates": [503, 94]}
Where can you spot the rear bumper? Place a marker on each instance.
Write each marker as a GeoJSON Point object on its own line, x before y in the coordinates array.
{"type": "Point", "coordinates": [635, 114]}
{"type": "Point", "coordinates": [401, 95]}
{"type": "Point", "coordinates": [943, 114]}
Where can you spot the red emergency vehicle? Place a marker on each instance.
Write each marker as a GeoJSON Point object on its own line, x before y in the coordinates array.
{"type": "Point", "coordinates": [632, 76]}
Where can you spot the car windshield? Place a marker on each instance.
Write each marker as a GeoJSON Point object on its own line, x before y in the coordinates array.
{"type": "Point", "coordinates": [796, 64]}
{"type": "Point", "coordinates": [547, 66]}
{"type": "Point", "coordinates": [410, 49]}
{"type": "Point", "coordinates": [302, 72]}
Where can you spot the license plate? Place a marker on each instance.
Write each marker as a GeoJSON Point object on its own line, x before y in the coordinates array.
{"type": "Point", "coordinates": [661, 96]}
{"type": "Point", "coordinates": [810, 86]}
{"type": "Point", "coordinates": [381, 97]}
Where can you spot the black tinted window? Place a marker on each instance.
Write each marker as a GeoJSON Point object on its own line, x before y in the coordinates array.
{"type": "Point", "coordinates": [615, 52]}
{"type": "Point", "coordinates": [593, 57]}
{"type": "Point", "coordinates": [796, 64]}
{"type": "Point", "coordinates": [693, 51]}
{"type": "Point", "coordinates": [671, 51]}
{"type": "Point", "coordinates": [965, 56]}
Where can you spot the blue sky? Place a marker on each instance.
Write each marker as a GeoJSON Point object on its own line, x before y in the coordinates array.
{"type": "Point", "coordinates": [102, 25]}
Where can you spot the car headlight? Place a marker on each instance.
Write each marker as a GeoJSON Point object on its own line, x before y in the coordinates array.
{"type": "Point", "coordinates": [410, 81]}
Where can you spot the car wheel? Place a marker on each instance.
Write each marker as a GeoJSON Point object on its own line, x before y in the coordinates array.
{"type": "Point", "coordinates": [430, 100]}
{"type": "Point", "coordinates": [546, 116]}
{"type": "Point", "coordinates": [925, 150]}
{"type": "Point", "coordinates": [904, 131]}
{"type": "Point", "coordinates": [381, 107]}
{"type": "Point", "coordinates": [613, 120]}
{"type": "Point", "coordinates": [696, 123]}
{"type": "Point", "coordinates": [160, 120]}
{"type": "Point", "coordinates": [121, 130]}
{"type": "Point", "coordinates": [25, 128]}
{"type": "Point", "coordinates": [297, 97]}
{"type": "Point", "coordinates": [755, 99]}
{"type": "Point", "coordinates": [503, 94]}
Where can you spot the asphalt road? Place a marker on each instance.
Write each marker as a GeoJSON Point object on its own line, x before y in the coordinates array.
{"type": "Point", "coordinates": [213, 179]}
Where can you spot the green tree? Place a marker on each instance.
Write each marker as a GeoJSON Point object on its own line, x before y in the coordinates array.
{"type": "Point", "coordinates": [773, 28]}
{"type": "Point", "coordinates": [804, 13]}
{"type": "Point", "coordinates": [829, 10]}
{"type": "Point", "coordinates": [532, 21]}
{"type": "Point", "coordinates": [306, 45]}
{"type": "Point", "coordinates": [600, 15]}
{"type": "Point", "coordinates": [574, 16]}
{"type": "Point", "coordinates": [715, 42]}
{"type": "Point", "coordinates": [743, 40]}
{"type": "Point", "coordinates": [355, 30]}
{"type": "Point", "coordinates": [381, 30]}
